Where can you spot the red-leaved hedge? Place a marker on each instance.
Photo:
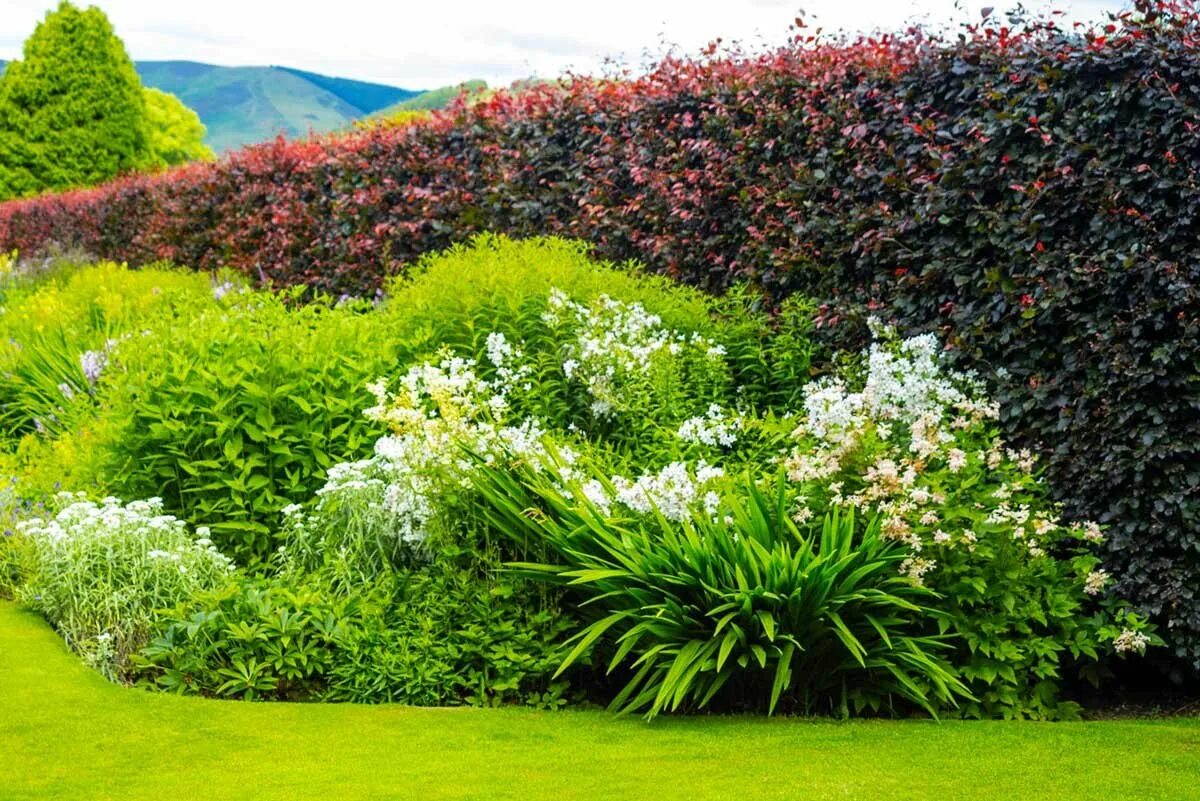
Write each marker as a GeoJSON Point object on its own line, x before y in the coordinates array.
{"type": "Point", "coordinates": [1030, 191]}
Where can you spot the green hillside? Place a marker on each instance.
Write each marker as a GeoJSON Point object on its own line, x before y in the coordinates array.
{"type": "Point", "coordinates": [242, 105]}
{"type": "Point", "coordinates": [437, 98]}
{"type": "Point", "coordinates": [362, 95]}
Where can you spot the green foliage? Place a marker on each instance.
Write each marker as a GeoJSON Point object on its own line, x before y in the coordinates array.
{"type": "Point", "coordinates": [453, 637]}
{"type": "Point", "coordinates": [440, 636]}
{"type": "Point", "coordinates": [72, 111]}
{"type": "Point", "coordinates": [493, 284]}
{"type": "Point", "coordinates": [235, 413]}
{"type": "Point", "coordinates": [748, 607]}
{"type": "Point", "coordinates": [56, 337]}
{"type": "Point", "coordinates": [100, 572]}
{"type": "Point", "coordinates": [175, 131]}
{"type": "Point", "coordinates": [251, 638]}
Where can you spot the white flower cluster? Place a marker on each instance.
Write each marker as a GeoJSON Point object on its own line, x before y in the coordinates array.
{"type": "Point", "coordinates": [922, 415]}
{"type": "Point", "coordinates": [140, 525]}
{"type": "Point", "coordinates": [1095, 582]}
{"type": "Point", "coordinates": [437, 414]}
{"type": "Point", "coordinates": [714, 428]}
{"type": "Point", "coordinates": [678, 491]}
{"type": "Point", "coordinates": [609, 341]}
{"type": "Point", "coordinates": [906, 383]}
{"type": "Point", "coordinates": [1131, 641]}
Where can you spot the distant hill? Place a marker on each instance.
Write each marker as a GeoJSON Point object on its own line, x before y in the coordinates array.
{"type": "Point", "coordinates": [437, 98]}
{"type": "Point", "coordinates": [243, 105]}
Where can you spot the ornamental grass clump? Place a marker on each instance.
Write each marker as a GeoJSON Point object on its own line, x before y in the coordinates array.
{"type": "Point", "coordinates": [742, 610]}
{"type": "Point", "coordinates": [101, 570]}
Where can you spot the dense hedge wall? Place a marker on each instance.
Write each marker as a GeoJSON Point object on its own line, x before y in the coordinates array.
{"type": "Point", "coordinates": [1031, 191]}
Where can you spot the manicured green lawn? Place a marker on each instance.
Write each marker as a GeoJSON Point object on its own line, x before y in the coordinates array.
{"type": "Point", "coordinates": [65, 733]}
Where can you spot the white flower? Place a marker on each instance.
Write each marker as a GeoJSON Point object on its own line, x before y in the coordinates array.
{"type": "Point", "coordinates": [1089, 531]}
{"type": "Point", "coordinates": [675, 492]}
{"type": "Point", "coordinates": [915, 568]}
{"type": "Point", "coordinates": [1095, 582]}
{"type": "Point", "coordinates": [1128, 641]}
{"type": "Point", "coordinates": [714, 428]}
{"type": "Point", "coordinates": [498, 348]}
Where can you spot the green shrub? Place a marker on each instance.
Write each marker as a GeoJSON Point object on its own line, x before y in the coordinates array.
{"type": "Point", "coordinates": [528, 320]}
{"type": "Point", "coordinates": [57, 336]}
{"type": "Point", "coordinates": [456, 299]}
{"type": "Point", "coordinates": [452, 636]}
{"type": "Point", "coordinates": [100, 571]}
{"type": "Point", "coordinates": [235, 413]}
{"type": "Point", "coordinates": [72, 111]}
{"type": "Point", "coordinates": [443, 635]}
{"type": "Point", "coordinates": [251, 638]}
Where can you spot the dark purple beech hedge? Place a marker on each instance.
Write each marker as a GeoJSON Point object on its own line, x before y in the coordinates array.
{"type": "Point", "coordinates": [1028, 190]}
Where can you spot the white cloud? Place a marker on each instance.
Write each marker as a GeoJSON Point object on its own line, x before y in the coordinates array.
{"type": "Point", "coordinates": [421, 45]}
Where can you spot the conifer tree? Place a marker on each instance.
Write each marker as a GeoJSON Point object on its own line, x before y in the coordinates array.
{"type": "Point", "coordinates": [72, 110]}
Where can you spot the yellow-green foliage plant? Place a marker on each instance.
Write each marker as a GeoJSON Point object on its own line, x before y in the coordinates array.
{"type": "Point", "coordinates": [56, 339]}
{"type": "Point", "coordinates": [401, 118]}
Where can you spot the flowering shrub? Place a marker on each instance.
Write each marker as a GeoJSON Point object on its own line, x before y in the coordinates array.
{"type": "Point", "coordinates": [1027, 187]}
{"type": "Point", "coordinates": [916, 445]}
{"type": "Point", "coordinates": [904, 440]}
{"type": "Point", "coordinates": [101, 570]}
{"type": "Point", "coordinates": [236, 412]}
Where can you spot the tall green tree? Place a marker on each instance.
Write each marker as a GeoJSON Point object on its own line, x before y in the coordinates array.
{"type": "Point", "coordinates": [72, 110]}
{"type": "Point", "coordinates": [176, 133]}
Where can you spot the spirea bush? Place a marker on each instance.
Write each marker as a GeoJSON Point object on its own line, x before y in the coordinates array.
{"type": "Point", "coordinates": [1026, 188]}
{"type": "Point", "coordinates": [100, 571]}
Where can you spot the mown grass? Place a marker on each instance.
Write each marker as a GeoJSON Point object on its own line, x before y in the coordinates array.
{"type": "Point", "coordinates": [65, 733]}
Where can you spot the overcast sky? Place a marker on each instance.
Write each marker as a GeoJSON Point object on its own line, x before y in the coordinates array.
{"type": "Point", "coordinates": [426, 44]}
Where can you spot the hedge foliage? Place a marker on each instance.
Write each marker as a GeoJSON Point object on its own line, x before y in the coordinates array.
{"type": "Point", "coordinates": [1030, 190]}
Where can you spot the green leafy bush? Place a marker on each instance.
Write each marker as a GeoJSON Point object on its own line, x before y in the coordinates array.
{"type": "Point", "coordinates": [453, 636]}
{"type": "Point", "coordinates": [72, 111]}
{"type": "Point", "coordinates": [235, 413]}
{"type": "Point", "coordinates": [251, 638]}
{"type": "Point", "coordinates": [439, 636]}
{"type": "Point", "coordinates": [99, 572]}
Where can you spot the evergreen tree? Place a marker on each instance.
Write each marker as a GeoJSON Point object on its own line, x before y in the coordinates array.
{"type": "Point", "coordinates": [72, 110]}
{"type": "Point", "coordinates": [176, 133]}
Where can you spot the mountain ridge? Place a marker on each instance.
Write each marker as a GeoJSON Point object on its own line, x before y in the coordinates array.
{"type": "Point", "coordinates": [244, 105]}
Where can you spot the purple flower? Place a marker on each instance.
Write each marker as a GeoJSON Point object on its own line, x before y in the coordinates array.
{"type": "Point", "coordinates": [93, 363]}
